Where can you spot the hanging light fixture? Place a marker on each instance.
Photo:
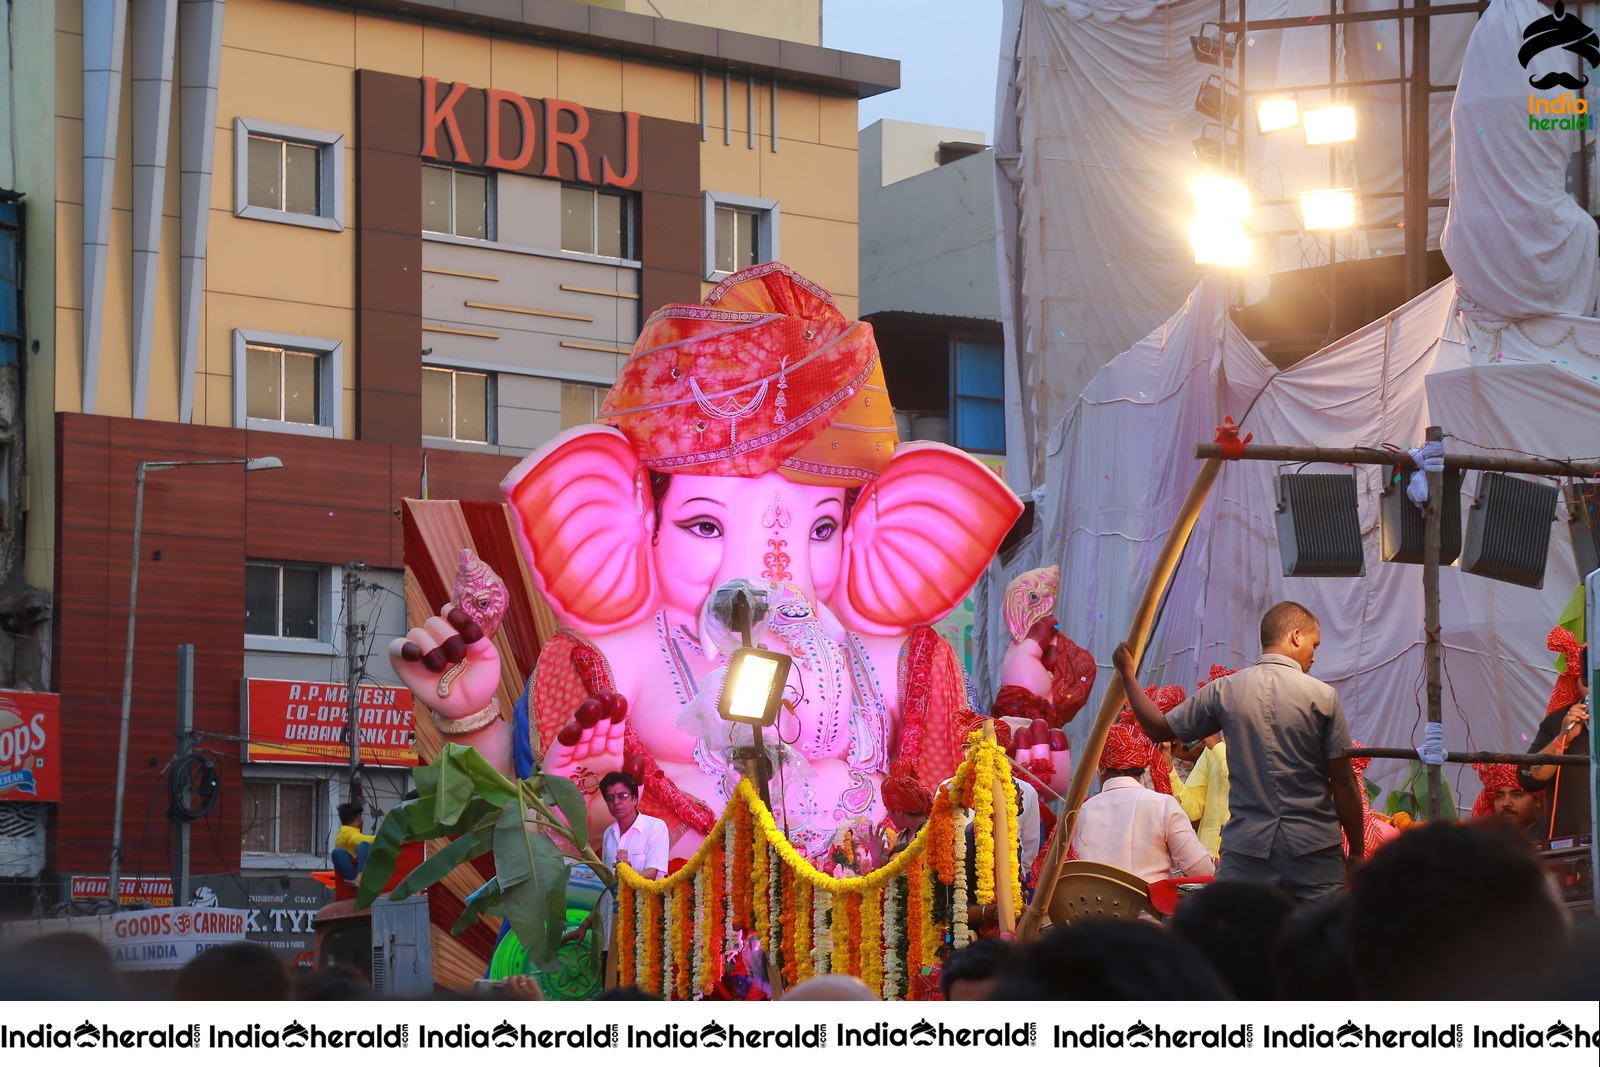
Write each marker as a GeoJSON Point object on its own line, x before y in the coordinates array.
{"type": "Point", "coordinates": [1215, 102]}
{"type": "Point", "coordinates": [1328, 209]}
{"type": "Point", "coordinates": [1334, 124]}
{"type": "Point", "coordinates": [1218, 199]}
{"type": "Point", "coordinates": [1211, 45]}
{"type": "Point", "coordinates": [1277, 113]}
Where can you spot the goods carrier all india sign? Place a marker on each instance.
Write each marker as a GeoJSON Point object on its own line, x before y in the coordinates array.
{"type": "Point", "coordinates": [304, 722]}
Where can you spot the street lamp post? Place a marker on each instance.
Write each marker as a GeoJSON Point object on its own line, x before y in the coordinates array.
{"type": "Point", "coordinates": [145, 466]}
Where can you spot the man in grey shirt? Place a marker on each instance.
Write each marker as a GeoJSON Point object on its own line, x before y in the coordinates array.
{"type": "Point", "coordinates": [1290, 792]}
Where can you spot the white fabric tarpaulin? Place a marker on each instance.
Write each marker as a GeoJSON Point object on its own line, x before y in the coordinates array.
{"type": "Point", "coordinates": [1121, 463]}
{"type": "Point", "coordinates": [1094, 147]}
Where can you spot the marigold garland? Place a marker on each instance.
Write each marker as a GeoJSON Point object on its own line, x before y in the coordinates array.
{"type": "Point", "coordinates": [627, 941]}
{"type": "Point", "coordinates": [869, 962]}
{"type": "Point", "coordinates": [804, 928]}
{"type": "Point", "coordinates": [650, 940]}
{"type": "Point", "coordinates": [1013, 855]}
{"type": "Point", "coordinates": [674, 932]}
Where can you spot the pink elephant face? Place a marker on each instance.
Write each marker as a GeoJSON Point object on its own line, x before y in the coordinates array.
{"type": "Point", "coordinates": [915, 541]}
{"type": "Point", "coordinates": [715, 529]}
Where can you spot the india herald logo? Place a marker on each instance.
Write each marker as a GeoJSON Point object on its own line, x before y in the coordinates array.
{"type": "Point", "coordinates": [1559, 30]}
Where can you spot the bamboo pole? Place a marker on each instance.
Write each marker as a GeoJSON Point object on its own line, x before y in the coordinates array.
{"type": "Point", "coordinates": [1468, 461]}
{"type": "Point", "coordinates": [1521, 759]}
{"type": "Point", "coordinates": [1084, 763]}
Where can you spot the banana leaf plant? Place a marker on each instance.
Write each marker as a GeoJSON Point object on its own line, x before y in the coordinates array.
{"type": "Point", "coordinates": [461, 797]}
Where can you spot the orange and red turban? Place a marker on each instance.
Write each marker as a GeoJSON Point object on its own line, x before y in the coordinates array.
{"type": "Point", "coordinates": [1565, 694]}
{"type": "Point", "coordinates": [1126, 748]}
{"type": "Point", "coordinates": [1495, 777]}
{"type": "Point", "coordinates": [902, 792]}
{"type": "Point", "coordinates": [766, 375]}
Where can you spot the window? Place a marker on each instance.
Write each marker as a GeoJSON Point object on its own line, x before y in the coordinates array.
{"type": "Point", "coordinates": [281, 384]}
{"type": "Point", "coordinates": [580, 404]}
{"type": "Point", "coordinates": [979, 407]}
{"type": "Point", "coordinates": [288, 174]}
{"type": "Point", "coordinates": [280, 816]}
{"type": "Point", "coordinates": [284, 600]}
{"type": "Point", "coordinates": [288, 383]}
{"type": "Point", "coordinates": [737, 242]}
{"type": "Point", "coordinates": [457, 404]}
{"type": "Point", "coordinates": [596, 223]}
{"type": "Point", "coordinates": [740, 231]}
{"type": "Point", "coordinates": [457, 202]}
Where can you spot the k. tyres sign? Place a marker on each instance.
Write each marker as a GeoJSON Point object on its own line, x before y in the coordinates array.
{"type": "Point", "coordinates": [305, 722]}
{"type": "Point", "coordinates": [30, 738]}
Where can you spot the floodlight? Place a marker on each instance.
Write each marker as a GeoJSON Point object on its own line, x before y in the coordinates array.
{"type": "Point", "coordinates": [1214, 101]}
{"type": "Point", "coordinates": [1328, 209]}
{"type": "Point", "coordinates": [1220, 199]}
{"type": "Point", "coordinates": [1220, 244]}
{"type": "Point", "coordinates": [1211, 45]}
{"type": "Point", "coordinates": [1277, 113]}
{"type": "Point", "coordinates": [1333, 124]}
{"type": "Point", "coordinates": [752, 692]}
{"type": "Point", "coordinates": [1217, 146]}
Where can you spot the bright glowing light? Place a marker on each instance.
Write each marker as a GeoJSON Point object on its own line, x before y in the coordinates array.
{"type": "Point", "coordinates": [1334, 124]}
{"type": "Point", "coordinates": [1220, 199]}
{"type": "Point", "coordinates": [754, 686]}
{"type": "Point", "coordinates": [1220, 244]}
{"type": "Point", "coordinates": [1277, 113]}
{"type": "Point", "coordinates": [1328, 209]}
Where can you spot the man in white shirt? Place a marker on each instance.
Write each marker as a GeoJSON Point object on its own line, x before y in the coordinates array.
{"type": "Point", "coordinates": [1133, 828]}
{"type": "Point", "coordinates": [634, 838]}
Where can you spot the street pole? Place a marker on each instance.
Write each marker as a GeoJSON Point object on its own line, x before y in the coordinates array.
{"type": "Point", "coordinates": [180, 825]}
{"type": "Point", "coordinates": [353, 632]}
{"type": "Point", "coordinates": [1432, 529]}
{"type": "Point", "coordinates": [114, 885]}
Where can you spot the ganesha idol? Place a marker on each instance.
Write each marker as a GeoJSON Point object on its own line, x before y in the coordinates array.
{"type": "Point", "coordinates": [749, 439]}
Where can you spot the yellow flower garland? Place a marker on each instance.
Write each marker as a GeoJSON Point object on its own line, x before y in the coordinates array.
{"type": "Point", "coordinates": [667, 945]}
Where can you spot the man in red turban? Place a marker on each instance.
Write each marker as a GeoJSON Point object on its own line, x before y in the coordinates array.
{"type": "Point", "coordinates": [1504, 798]}
{"type": "Point", "coordinates": [906, 804]}
{"type": "Point", "coordinates": [1128, 826]}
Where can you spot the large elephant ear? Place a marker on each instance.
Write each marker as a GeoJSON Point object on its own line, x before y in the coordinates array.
{"type": "Point", "coordinates": [919, 537]}
{"type": "Point", "coordinates": [583, 514]}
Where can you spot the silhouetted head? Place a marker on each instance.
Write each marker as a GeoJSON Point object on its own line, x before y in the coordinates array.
{"type": "Point", "coordinates": [1235, 924]}
{"type": "Point", "coordinates": [1109, 959]}
{"type": "Point", "coordinates": [1462, 910]}
{"type": "Point", "coordinates": [973, 971]}
{"type": "Point", "coordinates": [239, 970]}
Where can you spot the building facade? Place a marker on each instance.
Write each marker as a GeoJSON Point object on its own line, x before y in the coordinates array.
{"type": "Point", "coordinates": [395, 246]}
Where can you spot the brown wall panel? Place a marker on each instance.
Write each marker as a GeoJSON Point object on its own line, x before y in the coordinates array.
{"type": "Point", "coordinates": [332, 502]}
{"type": "Point", "coordinates": [388, 259]}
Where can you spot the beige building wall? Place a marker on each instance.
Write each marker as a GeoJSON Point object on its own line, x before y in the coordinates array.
{"type": "Point", "coordinates": [292, 63]}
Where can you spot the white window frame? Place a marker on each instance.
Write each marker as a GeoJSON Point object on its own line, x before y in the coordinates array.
{"type": "Point", "coordinates": [330, 602]}
{"type": "Point", "coordinates": [330, 168]}
{"type": "Point", "coordinates": [323, 823]}
{"type": "Point", "coordinates": [491, 205]}
{"type": "Point", "coordinates": [491, 405]}
{"type": "Point", "coordinates": [630, 220]}
{"type": "Point", "coordinates": [767, 241]}
{"type": "Point", "coordinates": [330, 374]}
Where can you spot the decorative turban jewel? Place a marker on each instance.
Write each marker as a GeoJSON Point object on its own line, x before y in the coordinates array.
{"type": "Point", "coordinates": [1495, 777]}
{"type": "Point", "coordinates": [766, 375]}
{"type": "Point", "coordinates": [1565, 694]}
{"type": "Point", "coordinates": [902, 791]}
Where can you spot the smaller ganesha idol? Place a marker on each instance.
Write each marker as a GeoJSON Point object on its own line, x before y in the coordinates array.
{"type": "Point", "coordinates": [747, 440]}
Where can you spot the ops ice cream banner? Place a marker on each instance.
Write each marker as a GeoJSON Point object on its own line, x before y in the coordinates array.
{"type": "Point", "coordinates": [30, 741]}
